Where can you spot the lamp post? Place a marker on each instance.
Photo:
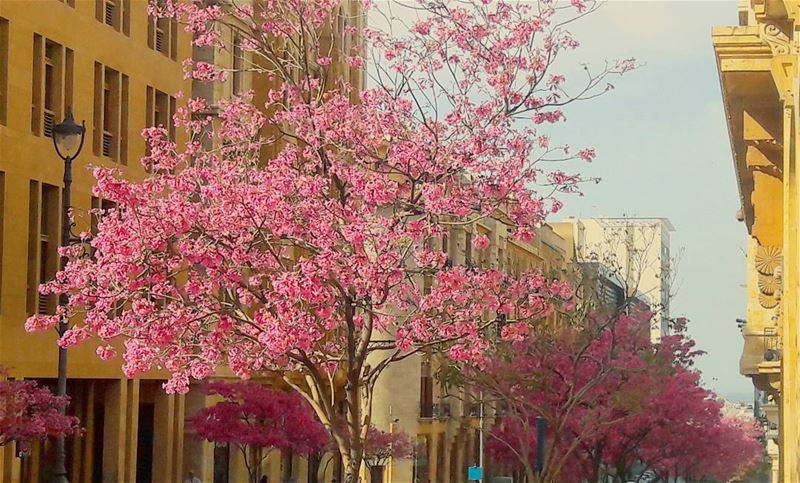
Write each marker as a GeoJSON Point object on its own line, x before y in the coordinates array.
{"type": "Point", "coordinates": [68, 141]}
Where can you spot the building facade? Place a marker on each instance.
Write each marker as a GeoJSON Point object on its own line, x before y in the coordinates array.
{"type": "Point", "coordinates": [119, 71]}
{"type": "Point", "coordinates": [632, 260]}
{"type": "Point", "coordinates": [408, 397]}
{"type": "Point", "coordinates": [757, 62]}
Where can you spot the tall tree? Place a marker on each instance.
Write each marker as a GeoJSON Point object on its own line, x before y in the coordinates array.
{"type": "Point", "coordinates": [313, 261]}
{"type": "Point", "coordinates": [255, 418]}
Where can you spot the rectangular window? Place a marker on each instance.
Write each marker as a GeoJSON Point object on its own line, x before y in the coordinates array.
{"type": "Point", "coordinates": [160, 109]}
{"type": "Point", "coordinates": [162, 36]}
{"type": "Point", "coordinates": [110, 113]}
{"type": "Point", "coordinates": [52, 84]}
{"type": "Point", "coordinates": [426, 390]}
{"type": "Point", "coordinates": [468, 249]}
{"type": "Point", "coordinates": [2, 224]}
{"type": "Point", "coordinates": [238, 65]}
{"type": "Point", "coordinates": [44, 216]}
{"type": "Point", "coordinates": [114, 13]}
{"type": "Point", "coordinates": [3, 70]}
{"type": "Point", "coordinates": [222, 457]}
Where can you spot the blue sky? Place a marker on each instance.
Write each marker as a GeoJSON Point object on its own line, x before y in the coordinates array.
{"type": "Point", "coordinates": [663, 150]}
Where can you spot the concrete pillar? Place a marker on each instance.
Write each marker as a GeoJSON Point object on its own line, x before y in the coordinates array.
{"type": "Point", "coordinates": [238, 470]}
{"type": "Point", "coordinates": [114, 431]}
{"type": "Point", "coordinates": [789, 470]}
{"type": "Point", "coordinates": [177, 443]}
{"type": "Point", "coordinates": [132, 428]}
{"type": "Point", "coordinates": [198, 455]}
{"type": "Point", "coordinates": [78, 404]}
{"type": "Point", "coordinates": [163, 436]}
{"type": "Point", "coordinates": [448, 453]}
{"type": "Point", "coordinates": [88, 438]}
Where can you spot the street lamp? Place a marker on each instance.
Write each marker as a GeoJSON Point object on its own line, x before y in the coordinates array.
{"type": "Point", "coordinates": [68, 141]}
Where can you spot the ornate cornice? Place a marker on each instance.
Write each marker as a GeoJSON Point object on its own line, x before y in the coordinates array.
{"type": "Point", "coordinates": [778, 41]}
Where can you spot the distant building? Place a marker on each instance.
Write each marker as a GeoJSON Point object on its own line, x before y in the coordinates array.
{"type": "Point", "coordinates": [630, 258]}
{"type": "Point", "coordinates": [409, 398]}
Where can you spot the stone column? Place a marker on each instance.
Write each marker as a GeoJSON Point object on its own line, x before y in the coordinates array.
{"type": "Point", "coordinates": [132, 426]}
{"type": "Point", "coordinates": [789, 470]}
{"type": "Point", "coordinates": [163, 436]}
{"type": "Point", "coordinates": [114, 430]}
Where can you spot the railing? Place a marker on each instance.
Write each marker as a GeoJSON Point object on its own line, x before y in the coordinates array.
{"type": "Point", "coordinates": [773, 348]}
{"type": "Point", "coordinates": [435, 411]}
{"type": "Point", "coordinates": [472, 410]}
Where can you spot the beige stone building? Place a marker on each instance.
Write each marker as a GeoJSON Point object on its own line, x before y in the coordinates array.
{"type": "Point", "coordinates": [87, 55]}
{"type": "Point", "coordinates": [757, 61]}
{"type": "Point", "coordinates": [632, 252]}
{"type": "Point", "coordinates": [409, 398]}
{"type": "Point", "coordinates": [120, 71]}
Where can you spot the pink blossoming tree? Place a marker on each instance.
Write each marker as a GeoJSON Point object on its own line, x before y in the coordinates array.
{"type": "Point", "coordinates": [381, 446]}
{"type": "Point", "coordinates": [293, 236]}
{"type": "Point", "coordinates": [255, 418]}
{"type": "Point", "coordinates": [30, 412]}
{"type": "Point", "coordinates": [615, 406]}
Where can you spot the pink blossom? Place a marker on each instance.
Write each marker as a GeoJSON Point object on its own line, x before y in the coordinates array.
{"type": "Point", "coordinates": [481, 242]}
{"type": "Point", "coordinates": [355, 62]}
{"type": "Point", "coordinates": [587, 154]}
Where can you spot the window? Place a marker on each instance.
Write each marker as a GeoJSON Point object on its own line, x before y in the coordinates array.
{"type": "Point", "coordinates": [440, 445]}
{"type": "Point", "coordinates": [3, 70]}
{"type": "Point", "coordinates": [110, 114]}
{"type": "Point", "coordinates": [52, 84]}
{"type": "Point", "coordinates": [422, 453]}
{"type": "Point", "coordinates": [343, 38]}
{"type": "Point", "coordinates": [468, 249]}
{"type": "Point", "coordinates": [114, 13]}
{"type": "Point", "coordinates": [483, 255]}
{"type": "Point", "coordinates": [238, 65]}
{"type": "Point", "coordinates": [426, 390]}
{"type": "Point", "coordinates": [100, 208]}
{"type": "Point", "coordinates": [2, 222]}
{"type": "Point", "coordinates": [44, 216]}
{"type": "Point", "coordinates": [162, 36]}
{"type": "Point", "coordinates": [160, 110]}
{"type": "Point", "coordinates": [222, 456]}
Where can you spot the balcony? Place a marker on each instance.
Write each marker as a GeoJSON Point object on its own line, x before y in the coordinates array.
{"type": "Point", "coordinates": [472, 410]}
{"type": "Point", "coordinates": [435, 411]}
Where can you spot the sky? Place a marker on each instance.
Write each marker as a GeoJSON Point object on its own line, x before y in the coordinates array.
{"type": "Point", "coordinates": [663, 151]}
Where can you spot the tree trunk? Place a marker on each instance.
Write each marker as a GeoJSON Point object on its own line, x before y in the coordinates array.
{"type": "Point", "coordinates": [352, 467]}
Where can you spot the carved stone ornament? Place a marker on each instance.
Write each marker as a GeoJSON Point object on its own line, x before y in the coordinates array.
{"type": "Point", "coordinates": [767, 301]}
{"type": "Point", "coordinates": [779, 43]}
{"type": "Point", "coordinates": [768, 264]}
{"type": "Point", "coordinates": [768, 284]}
{"type": "Point", "coordinates": [768, 259]}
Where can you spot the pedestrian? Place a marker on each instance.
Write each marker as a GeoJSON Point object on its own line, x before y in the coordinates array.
{"type": "Point", "coordinates": [192, 478]}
